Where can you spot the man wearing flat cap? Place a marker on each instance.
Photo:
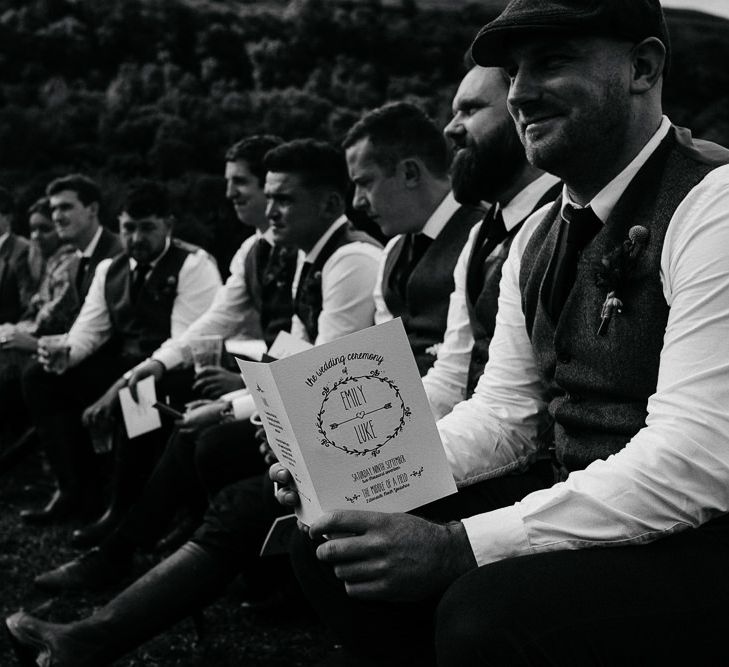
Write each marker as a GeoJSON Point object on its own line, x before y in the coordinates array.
{"type": "Point", "coordinates": [611, 345]}
{"type": "Point", "coordinates": [610, 354]}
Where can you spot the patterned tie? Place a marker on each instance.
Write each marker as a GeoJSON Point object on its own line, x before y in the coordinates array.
{"type": "Point", "coordinates": [81, 271]}
{"type": "Point", "coordinates": [579, 227]}
{"type": "Point", "coordinates": [415, 246]}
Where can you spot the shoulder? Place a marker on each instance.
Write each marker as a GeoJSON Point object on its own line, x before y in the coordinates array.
{"type": "Point", "coordinates": [528, 228]}
{"type": "Point", "coordinates": [357, 249]}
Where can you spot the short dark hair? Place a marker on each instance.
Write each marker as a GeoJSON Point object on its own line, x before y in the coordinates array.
{"type": "Point", "coordinates": [7, 201]}
{"type": "Point", "coordinates": [400, 130]}
{"type": "Point", "coordinates": [145, 198]}
{"type": "Point", "coordinates": [86, 189]}
{"type": "Point", "coordinates": [252, 150]}
{"type": "Point", "coordinates": [317, 163]}
{"type": "Point", "coordinates": [41, 206]}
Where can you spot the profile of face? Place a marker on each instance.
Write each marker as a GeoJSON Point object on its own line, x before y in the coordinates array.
{"type": "Point", "coordinates": [383, 194]}
{"type": "Point", "coordinates": [74, 220]}
{"type": "Point", "coordinates": [570, 100]}
{"type": "Point", "coordinates": [144, 238]}
{"type": "Point", "coordinates": [43, 234]}
{"type": "Point", "coordinates": [297, 213]}
{"type": "Point", "coordinates": [244, 191]}
{"type": "Point", "coordinates": [488, 152]}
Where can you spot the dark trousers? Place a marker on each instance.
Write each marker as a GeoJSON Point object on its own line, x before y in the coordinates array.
{"type": "Point", "coordinates": [192, 469]}
{"type": "Point", "coordinates": [663, 603]}
{"type": "Point", "coordinates": [13, 416]}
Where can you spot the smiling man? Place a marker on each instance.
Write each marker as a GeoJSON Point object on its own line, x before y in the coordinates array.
{"type": "Point", "coordinates": [153, 290]}
{"type": "Point", "coordinates": [610, 345]}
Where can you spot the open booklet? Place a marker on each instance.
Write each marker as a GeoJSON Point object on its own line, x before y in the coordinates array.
{"type": "Point", "coordinates": [351, 421]}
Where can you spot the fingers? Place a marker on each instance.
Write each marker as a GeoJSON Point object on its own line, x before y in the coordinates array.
{"type": "Point", "coordinates": [280, 474]}
{"type": "Point", "coordinates": [346, 521]}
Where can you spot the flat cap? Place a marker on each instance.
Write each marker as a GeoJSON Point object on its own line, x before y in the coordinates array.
{"type": "Point", "coordinates": [633, 20]}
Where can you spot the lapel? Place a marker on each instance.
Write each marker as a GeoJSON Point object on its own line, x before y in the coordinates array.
{"type": "Point", "coordinates": [5, 254]}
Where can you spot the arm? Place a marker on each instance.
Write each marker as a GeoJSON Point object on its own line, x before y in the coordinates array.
{"type": "Point", "coordinates": [199, 280]}
{"type": "Point", "coordinates": [232, 311]}
{"type": "Point", "coordinates": [445, 382]}
{"type": "Point", "coordinates": [674, 474]}
{"type": "Point", "coordinates": [348, 280]}
{"type": "Point", "coordinates": [92, 327]}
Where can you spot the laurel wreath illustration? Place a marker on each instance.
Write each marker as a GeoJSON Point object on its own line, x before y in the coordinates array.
{"type": "Point", "coordinates": [396, 404]}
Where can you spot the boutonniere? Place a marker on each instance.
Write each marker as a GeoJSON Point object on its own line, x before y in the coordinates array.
{"type": "Point", "coordinates": [615, 271]}
{"type": "Point", "coordinates": [313, 284]}
{"type": "Point", "coordinates": [168, 288]}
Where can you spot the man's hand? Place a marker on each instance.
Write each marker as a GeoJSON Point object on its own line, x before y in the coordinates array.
{"type": "Point", "coordinates": [201, 414]}
{"type": "Point", "coordinates": [214, 381]}
{"type": "Point", "coordinates": [12, 339]}
{"type": "Point", "coordinates": [100, 414]}
{"type": "Point", "coordinates": [264, 448]}
{"type": "Point", "coordinates": [392, 556]}
{"type": "Point", "coordinates": [145, 369]}
{"type": "Point", "coordinates": [286, 493]}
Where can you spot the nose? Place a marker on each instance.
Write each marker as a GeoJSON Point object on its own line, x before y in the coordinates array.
{"type": "Point", "coordinates": [359, 200]}
{"type": "Point", "coordinates": [35, 235]}
{"type": "Point", "coordinates": [272, 212]}
{"type": "Point", "coordinates": [523, 90]}
{"type": "Point", "coordinates": [229, 190]}
{"type": "Point", "coordinates": [454, 130]}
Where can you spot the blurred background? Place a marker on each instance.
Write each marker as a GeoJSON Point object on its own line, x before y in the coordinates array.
{"type": "Point", "coordinates": [160, 88]}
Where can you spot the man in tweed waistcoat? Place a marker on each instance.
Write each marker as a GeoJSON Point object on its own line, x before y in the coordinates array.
{"type": "Point", "coordinates": [612, 328]}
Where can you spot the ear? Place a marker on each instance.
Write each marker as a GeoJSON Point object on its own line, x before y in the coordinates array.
{"type": "Point", "coordinates": [94, 208]}
{"type": "Point", "coordinates": [412, 171]}
{"type": "Point", "coordinates": [332, 205]}
{"type": "Point", "coordinates": [649, 57]}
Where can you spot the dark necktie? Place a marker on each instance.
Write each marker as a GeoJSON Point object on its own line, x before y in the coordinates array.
{"type": "Point", "coordinates": [83, 267]}
{"type": "Point", "coordinates": [579, 226]}
{"type": "Point", "coordinates": [415, 246]}
{"type": "Point", "coordinates": [139, 276]}
{"type": "Point", "coordinates": [492, 232]}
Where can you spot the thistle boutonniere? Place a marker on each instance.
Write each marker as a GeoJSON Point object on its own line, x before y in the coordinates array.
{"type": "Point", "coordinates": [167, 288]}
{"type": "Point", "coordinates": [615, 271]}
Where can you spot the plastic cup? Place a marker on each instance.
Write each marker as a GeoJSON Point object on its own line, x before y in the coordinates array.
{"type": "Point", "coordinates": [53, 351]}
{"type": "Point", "coordinates": [206, 351]}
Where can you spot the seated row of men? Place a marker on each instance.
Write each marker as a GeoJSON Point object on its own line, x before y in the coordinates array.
{"type": "Point", "coordinates": [608, 343]}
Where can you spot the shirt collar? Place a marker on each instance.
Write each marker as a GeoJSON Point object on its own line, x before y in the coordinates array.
{"type": "Point", "coordinates": [440, 217]}
{"type": "Point", "coordinates": [267, 235]}
{"type": "Point", "coordinates": [4, 237]}
{"type": "Point", "coordinates": [525, 201]}
{"type": "Point", "coordinates": [89, 250]}
{"type": "Point", "coordinates": [153, 263]}
{"type": "Point", "coordinates": [604, 201]}
{"type": "Point", "coordinates": [319, 245]}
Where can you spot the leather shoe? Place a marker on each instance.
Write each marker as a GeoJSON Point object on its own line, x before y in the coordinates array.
{"type": "Point", "coordinates": [61, 506]}
{"type": "Point", "coordinates": [39, 643]}
{"type": "Point", "coordinates": [94, 533]}
{"type": "Point", "coordinates": [92, 571]}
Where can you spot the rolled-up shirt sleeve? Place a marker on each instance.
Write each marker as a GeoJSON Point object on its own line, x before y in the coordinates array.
{"type": "Point", "coordinates": [674, 473]}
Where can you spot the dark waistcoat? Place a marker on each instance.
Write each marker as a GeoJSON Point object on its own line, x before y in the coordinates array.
{"type": "Point", "coordinates": [269, 272]}
{"type": "Point", "coordinates": [482, 310]}
{"type": "Point", "coordinates": [599, 385]}
{"type": "Point", "coordinates": [424, 305]}
{"type": "Point", "coordinates": [308, 301]}
{"type": "Point", "coordinates": [139, 328]}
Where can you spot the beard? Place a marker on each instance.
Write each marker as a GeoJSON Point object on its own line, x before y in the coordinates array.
{"type": "Point", "coordinates": [481, 172]}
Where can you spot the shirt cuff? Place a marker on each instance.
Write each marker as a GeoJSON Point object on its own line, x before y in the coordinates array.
{"type": "Point", "coordinates": [169, 356]}
{"type": "Point", "coordinates": [497, 535]}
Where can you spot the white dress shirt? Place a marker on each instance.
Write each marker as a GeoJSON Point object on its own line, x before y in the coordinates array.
{"type": "Point", "coordinates": [445, 382]}
{"type": "Point", "coordinates": [347, 281]}
{"type": "Point", "coordinates": [436, 222]}
{"type": "Point", "coordinates": [197, 283]}
{"type": "Point", "coordinates": [91, 245]}
{"type": "Point", "coordinates": [4, 237]}
{"type": "Point", "coordinates": [674, 473]}
{"type": "Point", "coordinates": [232, 312]}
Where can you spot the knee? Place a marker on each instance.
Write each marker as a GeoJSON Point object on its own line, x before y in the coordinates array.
{"type": "Point", "coordinates": [478, 621]}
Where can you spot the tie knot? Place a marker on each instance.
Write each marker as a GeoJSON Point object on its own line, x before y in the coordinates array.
{"type": "Point", "coordinates": [495, 225]}
{"type": "Point", "coordinates": [583, 225]}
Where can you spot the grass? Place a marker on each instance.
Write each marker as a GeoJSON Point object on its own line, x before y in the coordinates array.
{"type": "Point", "coordinates": [233, 634]}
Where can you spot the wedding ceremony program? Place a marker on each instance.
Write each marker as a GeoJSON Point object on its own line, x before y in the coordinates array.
{"type": "Point", "coordinates": [351, 421]}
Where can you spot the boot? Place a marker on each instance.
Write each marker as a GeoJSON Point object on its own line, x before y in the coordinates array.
{"type": "Point", "coordinates": [175, 588]}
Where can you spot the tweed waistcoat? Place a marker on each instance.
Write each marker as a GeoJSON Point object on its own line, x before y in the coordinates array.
{"type": "Point", "coordinates": [599, 385]}
{"type": "Point", "coordinates": [308, 301]}
{"type": "Point", "coordinates": [140, 327]}
{"type": "Point", "coordinates": [424, 305]}
{"type": "Point", "coordinates": [482, 310]}
{"type": "Point", "coordinates": [269, 271]}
